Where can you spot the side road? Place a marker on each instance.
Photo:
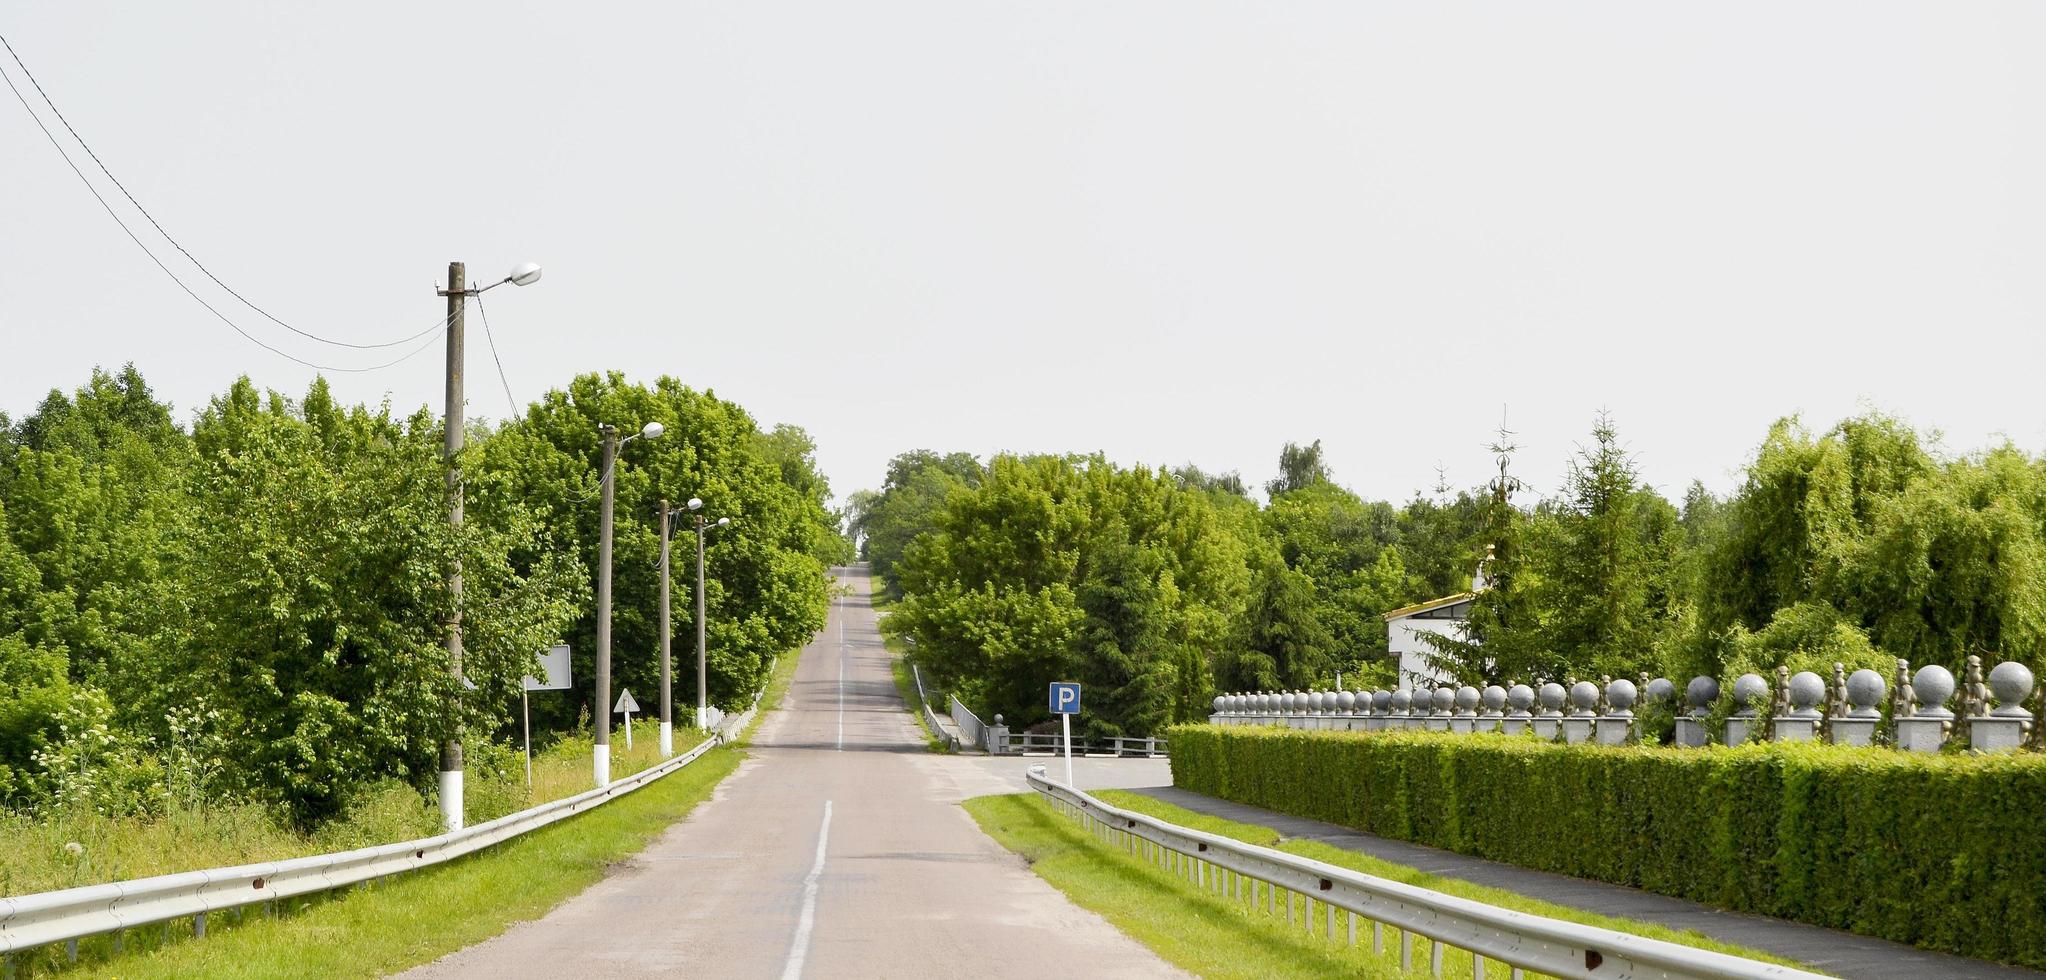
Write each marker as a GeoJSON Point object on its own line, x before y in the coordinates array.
{"type": "Point", "coordinates": [1832, 951]}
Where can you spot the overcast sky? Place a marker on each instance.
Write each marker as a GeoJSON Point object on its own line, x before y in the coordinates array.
{"type": "Point", "coordinates": [1169, 231]}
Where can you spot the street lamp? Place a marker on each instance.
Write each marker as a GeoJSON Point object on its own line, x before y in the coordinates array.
{"type": "Point", "coordinates": [601, 752]}
{"type": "Point", "coordinates": [703, 527]}
{"type": "Point", "coordinates": [458, 293]}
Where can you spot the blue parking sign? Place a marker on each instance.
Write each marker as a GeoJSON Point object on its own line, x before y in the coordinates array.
{"type": "Point", "coordinates": [1065, 698]}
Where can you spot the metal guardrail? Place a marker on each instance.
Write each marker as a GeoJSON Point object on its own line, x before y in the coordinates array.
{"type": "Point", "coordinates": [45, 918]}
{"type": "Point", "coordinates": [1519, 940]}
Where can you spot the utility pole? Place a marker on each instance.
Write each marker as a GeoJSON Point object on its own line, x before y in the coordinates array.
{"type": "Point", "coordinates": [451, 750]}
{"type": "Point", "coordinates": [602, 712]}
{"type": "Point", "coordinates": [667, 697]}
{"type": "Point", "coordinates": [702, 675]}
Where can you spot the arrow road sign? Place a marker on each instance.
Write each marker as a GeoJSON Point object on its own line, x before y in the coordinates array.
{"type": "Point", "coordinates": [1065, 698]}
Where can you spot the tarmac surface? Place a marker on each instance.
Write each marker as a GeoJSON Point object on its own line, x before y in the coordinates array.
{"type": "Point", "coordinates": [836, 850]}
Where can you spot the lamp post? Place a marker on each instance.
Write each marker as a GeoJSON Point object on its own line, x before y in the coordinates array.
{"type": "Point", "coordinates": [703, 527]}
{"type": "Point", "coordinates": [458, 293]}
{"type": "Point", "coordinates": [601, 752]}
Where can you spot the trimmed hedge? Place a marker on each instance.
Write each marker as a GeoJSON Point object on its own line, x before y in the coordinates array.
{"type": "Point", "coordinates": [1943, 851]}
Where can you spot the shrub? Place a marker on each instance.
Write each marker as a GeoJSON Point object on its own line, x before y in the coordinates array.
{"type": "Point", "coordinates": [1943, 851]}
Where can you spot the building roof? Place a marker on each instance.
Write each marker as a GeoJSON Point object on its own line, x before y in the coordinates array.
{"type": "Point", "coordinates": [1421, 607]}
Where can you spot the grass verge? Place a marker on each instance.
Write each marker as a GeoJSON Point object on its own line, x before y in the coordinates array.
{"type": "Point", "coordinates": [35, 855]}
{"type": "Point", "coordinates": [414, 918]}
{"type": "Point", "coordinates": [1213, 935]}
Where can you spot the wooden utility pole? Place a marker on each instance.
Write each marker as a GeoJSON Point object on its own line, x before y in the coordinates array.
{"type": "Point", "coordinates": [451, 750]}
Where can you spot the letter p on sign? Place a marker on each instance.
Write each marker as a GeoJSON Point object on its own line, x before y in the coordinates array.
{"type": "Point", "coordinates": [1065, 698]}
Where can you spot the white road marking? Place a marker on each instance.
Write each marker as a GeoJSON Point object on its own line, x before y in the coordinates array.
{"type": "Point", "coordinates": [841, 674]}
{"type": "Point", "coordinates": [799, 950]}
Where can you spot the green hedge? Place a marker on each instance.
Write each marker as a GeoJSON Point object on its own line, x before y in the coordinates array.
{"type": "Point", "coordinates": [1944, 851]}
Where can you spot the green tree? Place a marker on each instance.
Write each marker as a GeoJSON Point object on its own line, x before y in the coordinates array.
{"type": "Point", "coordinates": [1299, 467]}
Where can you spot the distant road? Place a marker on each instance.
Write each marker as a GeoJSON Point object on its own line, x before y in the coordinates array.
{"type": "Point", "coordinates": [837, 850]}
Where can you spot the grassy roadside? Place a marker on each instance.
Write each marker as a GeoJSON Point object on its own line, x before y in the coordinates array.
{"type": "Point", "coordinates": [416, 918]}
{"type": "Point", "coordinates": [1215, 936]}
{"type": "Point", "coordinates": [35, 855]}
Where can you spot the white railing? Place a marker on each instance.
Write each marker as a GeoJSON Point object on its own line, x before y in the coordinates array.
{"type": "Point", "coordinates": [971, 730]}
{"type": "Point", "coordinates": [29, 921]}
{"type": "Point", "coordinates": [1026, 743]}
{"type": "Point", "coordinates": [1520, 941]}
{"type": "Point", "coordinates": [931, 717]}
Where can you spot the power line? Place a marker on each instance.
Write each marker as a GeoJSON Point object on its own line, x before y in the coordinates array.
{"type": "Point", "coordinates": [59, 113]}
{"type": "Point", "coordinates": [484, 315]}
{"type": "Point", "coordinates": [174, 276]}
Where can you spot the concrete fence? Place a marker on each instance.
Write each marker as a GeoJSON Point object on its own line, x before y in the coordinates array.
{"type": "Point", "coordinates": [1924, 714]}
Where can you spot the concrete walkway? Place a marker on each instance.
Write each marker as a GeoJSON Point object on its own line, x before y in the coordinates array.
{"type": "Point", "coordinates": [1843, 954]}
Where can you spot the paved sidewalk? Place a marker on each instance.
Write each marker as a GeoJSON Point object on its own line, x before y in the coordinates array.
{"type": "Point", "coordinates": [1843, 954]}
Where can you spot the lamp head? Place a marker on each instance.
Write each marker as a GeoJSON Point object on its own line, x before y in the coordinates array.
{"type": "Point", "coordinates": [525, 274]}
{"type": "Point", "coordinates": [652, 430]}
{"type": "Point", "coordinates": [722, 521]}
{"type": "Point", "coordinates": [696, 503]}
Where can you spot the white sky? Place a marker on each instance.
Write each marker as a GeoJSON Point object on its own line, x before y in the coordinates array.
{"type": "Point", "coordinates": [1169, 231]}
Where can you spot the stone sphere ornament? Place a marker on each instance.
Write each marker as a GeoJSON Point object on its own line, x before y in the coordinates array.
{"type": "Point", "coordinates": [1221, 705]}
{"type": "Point", "coordinates": [1806, 691]}
{"type": "Point", "coordinates": [1749, 691]}
{"type": "Point", "coordinates": [1401, 700]}
{"type": "Point", "coordinates": [1443, 699]}
{"type": "Point", "coordinates": [1552, 696]}
{"type": "Point", "coordinates": [1700, 694]}
{"type": "Point", "coordinates": [1467, 698]}
{"type": "Point", "coordinates": [1865, 690]}
{"type": "Point", "coordinates": [1933, 684]}
{"type": "Point", "coordinates": [1521, 697]}
{"type": "Point", "coordinates": [2011, 683]}
{"type": "Point", "coordinates": [1382, 701]}
{"type": "Point", "coordinates": [1621, 695]}
{"type": "Point", "coordinates": [1583, 697]}
{"type": "Point", "coordinates": [1317, 702]}
{"type": "Point", "coordinates": [1660, 690]}
{"type": "Point", "coordinates": [1346, 701]}
{"type": "Point", "coordinates": [1495, 699]}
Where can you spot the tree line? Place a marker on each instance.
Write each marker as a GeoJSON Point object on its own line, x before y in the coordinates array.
{"type": "Point", "coordinates": [252, 607]}
{"type": "Point", "coordinates": [1860, 544]}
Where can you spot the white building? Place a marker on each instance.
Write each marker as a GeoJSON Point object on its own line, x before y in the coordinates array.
{"type": "Point", "coordinates": [1405, 628]}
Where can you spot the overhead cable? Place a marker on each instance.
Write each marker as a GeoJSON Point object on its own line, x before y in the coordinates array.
{"type": "Point", "coordinates": [160, 229]}
{"type": "Point", "coordinates": [251, 338]}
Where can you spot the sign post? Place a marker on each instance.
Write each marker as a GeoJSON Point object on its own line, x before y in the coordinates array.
{"type": "Point", "coordinates": [1065, 703]}
{"type": "Point", "coordinates": [626, 706]}
{"type": "Point", "coordinates": [555, 677]}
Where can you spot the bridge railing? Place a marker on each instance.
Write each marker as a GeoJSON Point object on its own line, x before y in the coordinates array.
{"type": "Point", "coordinates": [923, 697]}
{"type": "Point", "coordinates": [67, 915]}
{"type": "Point", "coordinates": [1518, 940]}
{"type": "Point", "coordinates": [1026, 743]}
{"type": "Point", "coordinates": [971, 730]}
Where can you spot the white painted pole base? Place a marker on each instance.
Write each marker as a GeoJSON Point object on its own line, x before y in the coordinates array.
{"type": "Point", "coordinates": [601, 763]}
{"type": "Point", "coordinates": [667, 739]}
{"type": "Point", "coordinates": [451, 799]}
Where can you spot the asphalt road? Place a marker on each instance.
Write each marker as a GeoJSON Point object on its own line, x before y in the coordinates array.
{"type": "Point", "coordinates": [836, 850]}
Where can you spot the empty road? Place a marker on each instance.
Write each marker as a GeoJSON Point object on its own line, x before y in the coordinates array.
{"type": "Point", "coordinates": [836, 850]}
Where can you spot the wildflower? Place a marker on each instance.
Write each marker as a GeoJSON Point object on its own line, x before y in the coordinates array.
{"type": "Point", "coordinates": [74, 848]}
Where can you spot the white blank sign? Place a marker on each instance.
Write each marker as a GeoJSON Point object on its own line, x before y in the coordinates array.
{"type": "Point", "coordinates": [554, 667]}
